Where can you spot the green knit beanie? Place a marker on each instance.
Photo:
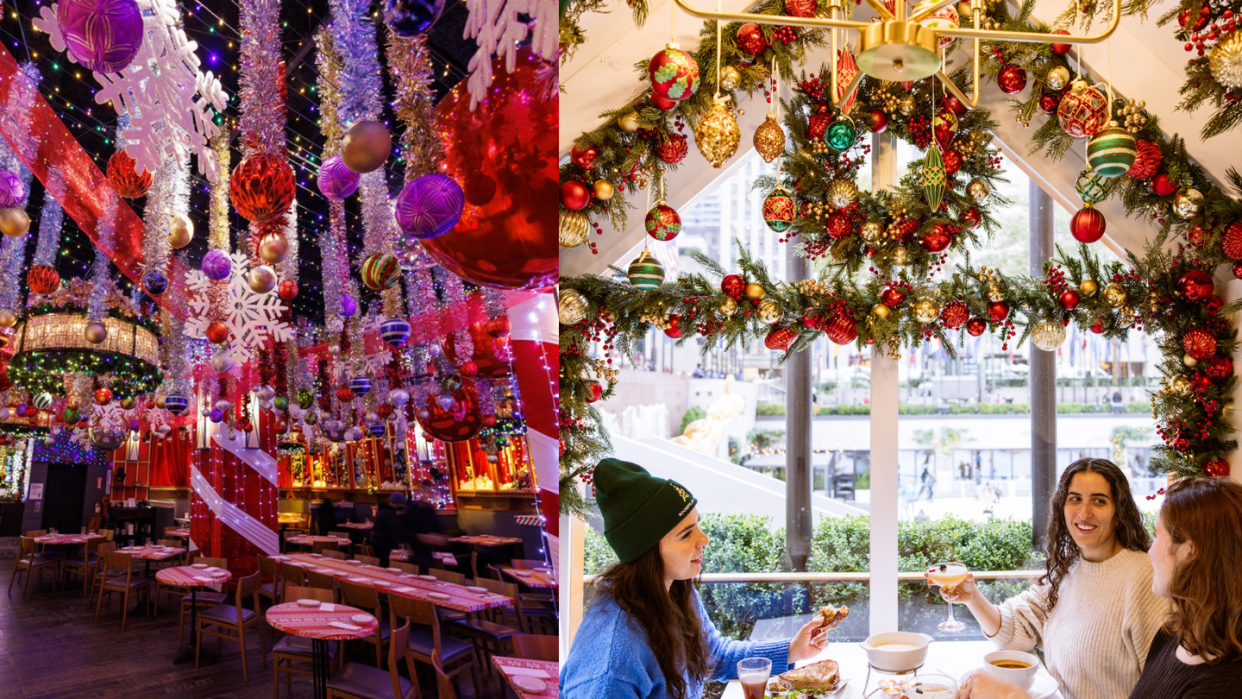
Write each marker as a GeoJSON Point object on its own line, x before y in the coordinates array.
{"type": "Point", "coordinates": [638, 508]}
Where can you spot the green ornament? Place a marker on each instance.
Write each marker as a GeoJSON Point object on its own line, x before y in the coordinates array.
{"type": "Point", "coordinates": [841, 135]}
{"type": "Point", "coordinates": [281, 402]}
{"type": "Point", "coordinates": [1111, 152]}
{"type": "Point", "coordinates": [934, 178]}
{"type": "Point", "coordinates": [305, 400]}
{"type": "Point", "coordinates": [646, 272]}
{"type": "Point", "coordinates": [69, 416]}
{"type": "Point", "coordinates": [1091, 186]}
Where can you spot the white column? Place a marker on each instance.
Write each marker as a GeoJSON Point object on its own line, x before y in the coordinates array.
{"type": "Point", "coordinates": [573, 559]}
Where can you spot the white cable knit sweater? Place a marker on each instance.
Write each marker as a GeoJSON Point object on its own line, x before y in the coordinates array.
{"type": "Point", "coordinates": [1095, 641]}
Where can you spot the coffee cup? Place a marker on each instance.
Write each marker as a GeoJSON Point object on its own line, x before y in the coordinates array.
{"type": "Point", "coordinates": [1012, 665]}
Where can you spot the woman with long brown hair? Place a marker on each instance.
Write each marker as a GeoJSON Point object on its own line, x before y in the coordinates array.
{"type": "Point", "coordinates": [646, 634]}
{"type": "Point", "coordinates": [1092, 611]}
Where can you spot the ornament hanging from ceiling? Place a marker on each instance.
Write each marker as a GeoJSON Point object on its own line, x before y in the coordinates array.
{"type": "Point", "coordinates": [673, 73]}
{"type": "Point", "coordinates": [12, 190]}
{"type": "Point", "coordinates": [1083, 112]}
{"type": "Point", "coordinates": [662, 221]}
{"type": "Point", "coordinates": [934, 178]}
{"type": "Point", "coordinates": [778, 210]}
{"type": "Point", "coordinates": [410, 18]}
{"type": "Point", "coordinates": [1112, 152]}
{"type": "Point", "coordinates": [366, 146]}
{"type": "Point", "coordinates": [1088, 225]}
{"type": "Point", "coordinates": [769, 139]}
{"type": "Point", "coordinates": [261, 186]}
{"type": "Point", "coordinates": [251, 319]}
{"type": "Point", "coordinates": [646, 272]}
{"type": "Point", "coordinates": [429, 206]}
{"type": "Point", "coordinates": [102, 35]}
{"type": "Point", "coordinates": [380, 271]}
{"type": "Point", "coordinates": [123, 174]}
{"type": "Point", "coordinates": [717, 134]}
{"type": "Point", "coordinates": [336, 181]}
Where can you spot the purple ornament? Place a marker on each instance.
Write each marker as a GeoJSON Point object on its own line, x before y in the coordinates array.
{"type": "Point", "coordinates": [349, 305]}
{"type": "Point", "coordinates": [134, 425]}
{"type": "Point", "coordinates": [12, 190]}
{"type": "Point", "coordinates": [336, 181]}
{"type": "Point", "coordinates": [102, 35]}
{"type": "Point", "coordinates": [216, 415]}
{"type": "Point", "coordinates": [217, 265]}
{"type": "Point", "coordinates": [429, 206]}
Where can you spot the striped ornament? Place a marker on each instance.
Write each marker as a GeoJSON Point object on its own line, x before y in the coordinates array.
{"type": "Point", "coordinates": [934, 178]}
{"type": "Point", "coordinates": [395, 332]}
{"type": "Point", "coordinates": [360, 385]}
{"type": "Point", "coordinates": [646, 272]}
{"type": "Point", "coordinates": [43, 401]}
{"type": "Point", "coordinates": [380, 271]}
{"type": "Point", "coordinates": [1111, 153]}
{"type": "Point", "coordinates": [176, 404]}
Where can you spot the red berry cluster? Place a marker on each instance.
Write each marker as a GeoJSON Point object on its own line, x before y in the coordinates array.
{"type": "Point", "coordinates": [1007, 333]}
{"type": "Point", "coordinates": [815, 88]}
{"type": "Point", "coordinates": [785, 35]}
{"type": "Point", "coordinates": [1158, 493]}
{"type": "Point", "coordinates": [1224, 25]}
{"type": "Point", "coordinates": [588, 476]}
{"type": "Point", "coordinates": [601, 329]}
{"type": "Point", "coordinates": [1054, 280]}
{"type": "Point", "coordinates": [920, 130]}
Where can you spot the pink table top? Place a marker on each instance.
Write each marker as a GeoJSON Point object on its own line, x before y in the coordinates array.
{"type": "Point", "coordinates": [305, 540]}
{"type": "Point", "coordinates": [487, 540]}
{"type": "Point", "coordinates": [187, 576]}
{"type": "Point", "coordinates": [511, 667]}
{"type": "Point", "coordinates": [59, 539]}
{"type": "Point", "coordinates": [534, 579]}
{"type": "Point", "coordinates": [315, 622]}
{"type": "Point", "coordinates": [455, 597]}
{"type": "Point", "coordinates": [152, 553]}
{"type": "Point", "coordinates": [180, 533]}
{"type": "Point", "coordinates": [356, 525]}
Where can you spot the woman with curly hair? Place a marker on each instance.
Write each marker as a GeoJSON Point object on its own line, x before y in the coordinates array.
{"type": "Point", "coordinates": [1092, 611]}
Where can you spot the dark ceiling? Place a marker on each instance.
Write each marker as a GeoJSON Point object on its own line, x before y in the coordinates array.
{"type": "Point", "coordinates": [213, 24]}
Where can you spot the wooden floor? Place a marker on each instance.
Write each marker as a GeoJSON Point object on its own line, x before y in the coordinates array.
{"type": "Point", "coordinates": [51, 647]}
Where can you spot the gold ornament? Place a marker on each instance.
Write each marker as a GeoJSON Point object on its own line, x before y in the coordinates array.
{"type": "Point", "coordinates": [1182, 387]}
{"type": "Point", "coordinates": [574, 228]}
{"type": "Point", "coordinates": [1190, 361]}
{"type": "Point", "coordinates": [871, 231]}
{"type": "Point", "coordinates": [1135, 116]}
{"type": "Point", "coordinates": [769, 139]}
{"type": "Point", "coordinates": [1188, 204]}
{"type": "Point", "coordinates": [1048, 334]}
{"type": "Point", "coordinates": [717, 134]}
{"type": "Point", "coordinates": [273, 247]}
{"type": "Point", "coordinates": [366, 146]}
{"type": "Point", "coordinates": [728, 308]}
{"type": "Point", "coordinates": [14, 222]}
{"type": "Point", "coordinates": [905, 104]}
{"type": "Point", "coordinates": [95, 332]}
{"type": "Point", "coordinates": [1057, 78]}
{"type": "Point", "coordinates": [628, 122]}
{"type": "Point", "coordinates": [572, 307]}
{"type": "Point", "coordinates": [8, 318]}
{"type": "Point", "coordinates": [901, 257]}
{"type": "Point", "coordinates": [261, 279]}
{"type": "Point", "coordinates": [1088, 287]}
{"type": "Point", "coordinates": [180, 232]}
{"type": "Point", "coordinates": [1125, 317]}
{"type": "Point", "coordinates": [730, 78]}
{"type": "Point", "coordinates": [1153, 304]}
{"type": "Point", "coordinates": [755, 291]}
{"type": "Point", "coordinates": [769, 312]}
{"type": "Point", "coordinates": [926, 310]}
{"type": "Point", "coordinates": [842, 193]}
{"type": "Point", "coordinates": [880, 311]}
{"type": "Point", "coordinates": [603, 190]}
{"type": "Point", "coordinates": [1225, 60]}
{"type": "Point", "coordinates": [1115, 295]}
{"type": "Point", "coordinates": [978, 190]}
{"type": "Point", "coordinates": [995, 292]}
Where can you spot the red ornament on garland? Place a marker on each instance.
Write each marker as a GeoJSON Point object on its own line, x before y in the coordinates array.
{"type": "Point", "coordinates": [673, 73]}
{"type": "Point", "coordinates": [217, 332]}
{"type": "Point", "coordinates": [1061, 49]}
{"type": "Point", "coordinates": [1205, 14]}
{"type": "Point", "coordinates": [1237, 270]}
{"type": "Point", "coordinates": [839, 225]}
{"type": "Point", "coordinates": [1217, 468]}
{"type": "Point", "coordinates": [1011, 79]}
{"type": "Point", "coordinates": [1214, 304]}
{"type": "Point", "coordinates": [972, 218]}
{"type": "Point", "coordinates": [952, 161]}
{"type": "Point", "coordinates": [123, 174]}
{"type": "Point", "coordinates": [953, 104]}
{"type": "Point", "coordinates": [998, 310]}
{"type": "Point", "coordinates": [1195, 286]}
{"type": "Point", "coordinates": [811, 318]}
{"type": "Point", "coordinates": [892, 296]}
{"type": "Point", "coordinates": [261, 186]}
{"type": "Point", "coordinates": [574, 195]}
{"type": "Point", "coordinates": [1199, 343]}
{"type": "Point", "coordinates": [750, 39]}
{"type": "Point", "coordinates": [955, 315]}
{"type": "Point", "coordinates": [1083, 111]}
{"type": "Point", "coordinates": [780, 339]}
{"type": "Point", "coordinates": [1098, 326]}
{"type": "Point", "coordinates": [460, 422]}
{"type": "Point", "coordinates": [43, 279]}
{"type": "Point", "coordinates": [663, 104]}
{"type": "Point", "coordinates": [1070, 299]}
{"type": "Point", "coordinates": [801, 8]}
{"type": "Point", "coordinates": [819, 123]}
{"type": "Point", "coordinates": [944, 128]}
{"type": "Point", "coordinates": [1147, 162]}
{"type": "Point", "coordinates": [1219, 368]}
{"type": "Point", "coordinates": [733, 286]}
{"type": "Point", "coordinates": [597, 391]}
{"type": "Point", "coordinates": [1231, 245]}
{"type": "Point", "coordinates": [673, 330]}
{"type": "Point", "coordinates": [1049, 101]}
{"type": "Point", "coordinates": [673, 149]}
{"type": "Point", "coordinates": [878, 121]}
{"type": "Point", "coordinates": [842, 328]}
{"type": "Point", "coordinates": [938, 239]}
{"type": "Point", "coordinates": [1088, 225]}
{"type": "Point", "coordinates": [584, 157]}
{"type": "Point", "coordinates": [1163, 186]}
{"type": "Point", "coordinates": [976, 326]}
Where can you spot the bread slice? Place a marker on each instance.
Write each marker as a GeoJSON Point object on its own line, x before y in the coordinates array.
{"type": "Point", "coordinates": [832, 616]}
{"type": "Point", "coordinates": [822, 675]}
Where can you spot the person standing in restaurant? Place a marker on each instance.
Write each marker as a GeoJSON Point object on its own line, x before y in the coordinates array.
{"type": "Point", "coordinates": [325, 517]}
{"type": "Point", "coordinates": [419, 528]}
{"type": "Point", "coordinates": [384, 533]}
{"type": "Point", "coordinates": [647, 634]}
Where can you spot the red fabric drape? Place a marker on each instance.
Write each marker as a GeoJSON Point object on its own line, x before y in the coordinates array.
{"type": "Point", "coordinates": [170, 460]}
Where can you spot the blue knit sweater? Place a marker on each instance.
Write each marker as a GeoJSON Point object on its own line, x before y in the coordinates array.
{"type": "Point", "coordinates": [610, 658]}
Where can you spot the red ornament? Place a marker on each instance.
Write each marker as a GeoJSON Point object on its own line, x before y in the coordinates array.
{"type": "Point", "coordinates": [750, 39]}
{"type": "Point", "coordinates": [801, 8]}
{"type": "Point", "coordinates": [261, 186]}
{"type": "Point", "coordinates": [123, 174]}
{"type": "Point", "coordinates": [1147, 162]}
{"type": "Point", "coordinates": [103, 396]}
{"type": "Point", "coordinates": [1065, 319]}
{"type": "Point", "coordinates": [673, 149]}
{"type": "Point", "coordinates": [1214, 304]}
{"type": "Point", "coordinates": [842, 328]}
{"type": "Point", "coordinates": [1231, 245]}
{"type": "Point", "coordinates": [505, 156]}
{"type": "Point", "coordinates": [597, 391]}
{"type": "Point", "coordinates": [892, 296]}
{"type": "Point", "coordinates": [733, 286]}
{"type": "Point", "coordinates": [952, 159]}
{"type": "Point", "coordinates": [43, 279]}
{"type": "Point", "coordinates": [954, 315]}
{"type": "Point", "coordinates": [938, 239]}
{"type": "Point", "coordinates": [497, 328]}
{"type": "Point", "coordinates": [288, 290]}
{"type": "Point", "coordinates": [1088, 225]}
{"type": "Point", "coordinates": [574, 195]}
{"type": "Point", "coordinates": [1219, 368]}
{"type": "Point", "coordinates": [217, 332]}
{"type": "Point", "coordinates": [1200, 22]}
{"type": "Point", "coordinates": [1098, 326]}
{"type": "Point", "coordinates": [906, 229]}
{"type": "Point", "coordinates": [1217, 468]}
{"type": "Point", "coordinates": [663, 104]}
{"type": "Point", "coordinates": [998, 310]}
{"type": "Point", "coordinates": [673, 73]}
{"type": "Point", "coordinates": [585, 157]}
{"type": "Point", "coordinates": [673, 330]}
{"type": "Point", "coordinates": [1070, 299]}
{"type": "Point", "coordinates": [1163, 186]}
{"type": "Point", "coordinates": [819, 123]}
{"type": "Point", "coordinates": [954, 105]}
{"type": "Point", "coordinates": [458, 423]}
{"type": "Point", "coordinates": [1181, 444]}
{"type": "Point", "coordinates": [469, 369]}
{"type": "Point", "coordinates": [1199, 343]}
{"type": "Point", "coordinates": [879, 121]}
{"type": "Point", "coordinates": [811, 318]}
{"type": "Point", "coordinates": [976, 326]}
{"type": "Point", "coordinates": [345, 395]}
{"type": "Point", "coordinates": [1237, 270]}
{"type": "Point", "coordinates": [1061, 49]}
{"type": "Point", "coordinates": [1083, 111]}
{"type": "Point", "coordinates": [1011, 79]}
{"type": "Point", "coordinates": [944, 128]}
{"type": "Point", "coordinates": [1195, 286]}
{"type": "Point", "coordinates": [972, 218]}
{"type": "Point", "coordinates": [1049, 101]}
{"type": "Point", "coordinates": [780, 339]}
{"type": "Point", "coordinates": [839, 225]}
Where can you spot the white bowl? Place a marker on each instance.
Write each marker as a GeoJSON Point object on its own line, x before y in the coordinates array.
{"type": "Point", "coordinates": [1023, 677]}
{"type": "Point", "coordinates": [897, 651]}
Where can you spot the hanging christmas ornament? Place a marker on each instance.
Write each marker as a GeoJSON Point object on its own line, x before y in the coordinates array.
{"type": "Point", "coordinates": [1088, 287]}
{"type": "Point", "coordinates": [155, 282]}
{"type": "Point", "coordinates": [717, 134]}
{"type": "Point", "coordinates": [871, 231]}
{"type": "Point", "coordinates": [769, 312]}
{"type": "Point", "coordinates": [934, 178]}
{"type": "Point", "coordinates": [395, 332]}
{"type": "Point", "coordinates": [900, 258]}
{"type": "Point", "coordinates": [1049, 102]}
{"type": "Point", "coordinates": [1083, 112]}
{"type": "Point", "coordinates": [1217, 468]}
{"type": "Point", "coordinates": [574, 228]}
{"type": "Point", "coordinates": [769, 139]}
{"type": "Point", "coordinates": [1182, 387]}
{"type": "Point", "coordinates": [955, 315]}
{"type": "Point", "coordinates": [779, 339]}
{"type": "Point", "coordinates": [572, 307]}
{"type": "Point", "coordinates": [103, 36]}
{"type": "Point", "coordinates": [1195, 286]}
{"type": "Point", "coordinates": [662, 103]}
{"type": "Point", "coordinates": [43, 279]}
{"type": "Point", "coordinates": [1188, 204]}
{"type": "Point", "coordinates": [734, 286]}
{"type": "Point", "coordinates": [925, 310]}
{"type": "Point", "coordinates": [1011, 79]}
{"type": "Point", "coordinates": [583, 157]}
{"type": "Point", "coordinates": [366, 146]}
{"type": "Point", "coordinates": [180, 231]}
{"type": "Point", "coordinates": [1147, 162]}
{"type": "Point", "coordinates": [1111, 152]}
{"type": "Point", "coordinates": [881, 311]}
{"type": "Point", "coordinates": [103, 396]}
{"type": "Point", "coordinates": [998, 311]}
{"type": "Point", "coordinates": [216, 265]}
{"type": "Point", "coordinates": [123, 174]}
{"type": "Point", "coordinates": [1231, 244]}
{"type": "Point", "coordinates": [1088, 225]}
{"type": "Point", "coordinates": [673, 149]}
{"type": "Point", "coordinates": [728, 308]}
{"type": "Point", "coordinates": [841, 134]}
{"type": "Point", "coordinates": [755, 292]}
{"type": "Point", "coordinates": [261, 279]}
{"type": "Point", "coordinates": [1162, 185]}
{"type": "Point", "coordinates": [674, 330]}
{"type": "Point", "coordinates": [1048, 334]}
{"type": "Point", "coordinates": [14, 222]}
{"type": "Point", "coordinates": [1115, 295]}
{"type": "Point", "coordinates": [429, 206]}
{"type": "Point", "coordinates": [778, 210]}
{"type": "Point", "coordinates": [1070, 299]}
{"type": "Point", "coordinates": [361, 385]}
{"type": "Point", "coordinates": [841, 328]}
{"type": "Point", "coordinates": [1225, 60]}
{"type": "Point", "coordinates": [819, 122]}
{"type": "Point", "coordinates": [839, 225]}
{"type": "Point", "coordinates": [952, 161]}
{"type": "Point", "coordinates": [273, 247]}
{"type": "Point", "coordinates": [336, 181]}
{"type": "Point", "coordinates": [892, 296]}
{"type": "Point", "coordinates": [603, 190]}
{"type": "Point", "coordinates": [944, 127]}
{"type": "Point", "coordinates": [972, 218]}
{"type": "Point", "coordinates": [842, 193]}
{"type": "Point", "coordinates": [1199, 343]}
{"type": "Point", "coordinates": [1092, 187]}
{"type": "Point", "coordinates": [12, 190]}
{"type": "Point", "coordinates": [976, 326]}
{"type": "Point", "coordinates": [574, 195]}
{"type": "Point", "coordinates": [8, 317]}
{"type": "Point", "coordinates": [730, 78]}
{"type": "Point", "coordinates": [938, 239]}
{"type": "Point", "coordinates": [1057, 78]}
{"type": "Point", "coordinates": [662, 221]}
{"type": "Point", "coordinates": [878, 121]}
{"type": "Point", "coordinates": [261, 186]}
{"type": "Point", "coordinates": [906, 104]}
{"type": "Point", "coordinates": [646, 272]}
{"type": "Point", "coordinates": [628, 122]}
{"type": "Point", "coordinates": [1219, 368]}
{"type": "Point", "coordinates": [380, 271]}
{"type": "Point", "coordinates": [750, 39]}
{"type": "Point", "coordinates": [95, 332]}
{"type": "Point", "coordinates": [978, 190]}
{"type": "Point", "coordinates": [674, 74]}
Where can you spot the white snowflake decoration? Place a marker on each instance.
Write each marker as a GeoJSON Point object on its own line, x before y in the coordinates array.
{"type": "Point", "coordinates": [497, 28]}
{"type": "Point", "coordinates": [155, 416]}
{"type": "Point", "coordinates": [376, 362]}
{"type": "Point", "coordinates": [252, 319]}
{"type": "Point", "coordinates": [162, 90]}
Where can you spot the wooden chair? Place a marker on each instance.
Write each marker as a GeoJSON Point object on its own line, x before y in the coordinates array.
{"type": "Point", "coordinates": [225, 621]}
{"type": "Point", "coordinates": [528, 563]}
{"type": "Point", "coordinates": [109, 534]}
{"type": "Point", "coordinates": [409, 568]}
{"type": "Point", "coordinates": [290, 652]}
{"type": "Point", "coordinates": [426, 639]}
{"type": "Point", "coordinates": [29, 562]}
{"type": "Point", "coordinates": [323, 546]}
{"type": "Point", "coordinates": [269, 579]}
{"type": "Point", "coordinates": [118, 576]}
{"type": "Point", "coordinates": [358, 681]}
{"type": "Point", "coordinates": [321, 581]}
{"type": "Point", "coordinates": [206, 597]}
{"type": "Point", "coordinates": [96, 571]}
{"type": "Point", "coordinates": [444, 683]}
{"type": "Point", "coordinates": [448, 576]}
{"type": "Point", "coordinates": [82, 565]}
{"type": "Point", "coordinates": [491, 636]}
{"type": "Point", "coordinates": [292, 574]}
{"type": "Point", "coordinates": [537, 647]}
{"type": "Point", "coordinates": [368, 560]}
{"type": "Point", "coordinates": [366, 598]}
{"type": "Point", "coordinates": [335, 555]}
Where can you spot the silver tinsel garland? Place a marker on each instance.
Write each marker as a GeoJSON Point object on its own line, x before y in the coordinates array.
{"type": "Point", "coordinates": [13, 250]}
{"type": "Point", "coordinates": [262, 112]}
{"type": "Point", "coordinates": [331, 248]}
{"type": "Point", "coordinates": [51, 219]}
{"type": "Point", "coordinates": [353, 35]}
{"type": "Point", "coordinates": [156, 218]}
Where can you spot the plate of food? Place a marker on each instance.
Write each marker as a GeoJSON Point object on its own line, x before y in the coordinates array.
{"type": "Point", "coordinates": [527, 683]}
{"type": "Point", "coordinates": [1042, 687]}
{"type": "Point", "coordinates": [819, 680]}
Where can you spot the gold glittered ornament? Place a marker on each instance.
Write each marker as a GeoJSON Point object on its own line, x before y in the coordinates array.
{"type": "Point", "coordinates": [880, 311]}
{"type": "Point", "coordinates": [572, 307]}
{"type": "Point", "coordinates": [730, 78]}
{"type": "Point", "coordinates": [628, 122]}
{"type": "Point", "coordinates": [769, 312]}
{"type": "Point", "coordinates": [95, 332]}
{"type": "Point", "coordinates": [1182, 387]}
{"type": "Point", "coordinates": [1115, 295]}
{"type": "Point", "coordinates": [978, 190]}
{"type": "Point", "coordinates": [574, 228]}
{"type": "Point", "coordinates": [1057, 78]}
{"type": "Point", "coordinates": [8, 318]}
{"type": "Point", "coordinates": [14, 222]}
{"type": "Point", "coordinates": [180, 231]}
{"type": "Point", "coordinates": [603, 190]}
{"type": "Point", "coordinates": [1048, 334]}
{"type": "Point", "coordinates": [728, 308]}
{"type": "Point", "coordinates": [842, 193]}
{"type": "Point", "coordinates": [1088, 287]}
{"type": "Point", "coordinates": [261, 279]}
{"type": "Point", "coordinates": [769, 139]}
{"type": "Point", "coordinates": [717, 134]}
{"type": "Point", "coordinates": [900, 257]}
{"type": "Point", "coordinates": [871, 231]}
{"type": "Point", "coordinates": [995, 292]}
{"type": "Point", "coordinates": [1188, 204]}
{"type": "Point", "coordinates": [926, 310]}
{"type": "Point", "coordinates": [1225, 60]}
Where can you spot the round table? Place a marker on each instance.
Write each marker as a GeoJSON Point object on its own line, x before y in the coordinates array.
{"type": "Point", "coordinates": [316, 624]}
{"type": "Point", "coordinates": [193, 578]}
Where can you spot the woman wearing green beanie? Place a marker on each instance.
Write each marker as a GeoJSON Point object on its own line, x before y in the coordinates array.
{"type": "Point", "coordinates": [646, 634]}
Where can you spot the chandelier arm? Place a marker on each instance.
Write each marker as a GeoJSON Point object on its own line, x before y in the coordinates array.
{"type": "Point", "coordinates": [782, 20]}
{"type": "Point", "coordinates": [927, 11]}
{"type": "Point", "coordinates": [881, 10]}
{"type": "Point", "coordinates": [1032, 38]}
{"type": "Point", "coordinates": [853, 84]}
{"type": "Point", "coordinates": [976, 7]}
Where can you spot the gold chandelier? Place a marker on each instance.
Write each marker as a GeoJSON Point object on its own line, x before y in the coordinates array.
{"type": "Point", "coordinates": [899, 48]}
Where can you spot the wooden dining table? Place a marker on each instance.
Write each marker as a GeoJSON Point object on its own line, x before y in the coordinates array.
{"type": "Point", "coordinates": [531, 578]}
{"type": "Point", "coordinates": [397, 582]}
{"type": "Point", "coordinates": [545, 671]}
{"type": "Point", "coordinates": [322, 623]}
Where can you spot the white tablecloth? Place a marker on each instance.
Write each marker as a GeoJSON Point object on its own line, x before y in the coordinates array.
{"type": "Point", "coordinates": [953, 658]}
